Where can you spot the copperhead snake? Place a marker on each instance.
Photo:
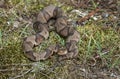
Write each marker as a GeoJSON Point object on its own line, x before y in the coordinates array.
{"type": "Point", "coordinates": [51, 18]}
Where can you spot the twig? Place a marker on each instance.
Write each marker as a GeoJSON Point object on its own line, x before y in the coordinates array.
{"type": "Point", "coordinates": [21, 75]}
{"type": "Point", "coordinates": [45, 75]}
{"type": "Point", "coordinates": [88, 16]}
{"type": "Point", "coordinates": [10, 70]}
{"type": "Point", "coordinates": [14, 65]}
{"type": "Point", "coordinates": [19, 64]}
{"type": "Point", "coordinates": [72, 1]}
{"type": "Point", "coordinates": [51, 70]}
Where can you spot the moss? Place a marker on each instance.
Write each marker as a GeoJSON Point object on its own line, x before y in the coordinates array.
{"type": "Point", "coordinates": [94, 39]}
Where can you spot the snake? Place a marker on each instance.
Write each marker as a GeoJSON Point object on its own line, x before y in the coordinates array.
{"type": "Point", "coordinates": [51, 18]}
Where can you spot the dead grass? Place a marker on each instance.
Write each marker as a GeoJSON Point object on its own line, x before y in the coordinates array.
{"type": "Point", "coordinates": [94, 40]}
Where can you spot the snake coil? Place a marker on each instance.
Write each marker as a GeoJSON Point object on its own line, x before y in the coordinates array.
{"type": "Point", "coordinates": [49, 19]}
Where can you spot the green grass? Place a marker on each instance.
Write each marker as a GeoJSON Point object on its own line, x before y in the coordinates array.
{"type": "Point", "coordinates": [94, 40]}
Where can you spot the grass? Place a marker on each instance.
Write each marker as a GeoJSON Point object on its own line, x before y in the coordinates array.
{"type": "Point", "coordinates": [94, 40]}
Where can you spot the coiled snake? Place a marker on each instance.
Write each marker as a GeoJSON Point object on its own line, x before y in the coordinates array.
{"type": "Point", "coordinates": [49, 19]}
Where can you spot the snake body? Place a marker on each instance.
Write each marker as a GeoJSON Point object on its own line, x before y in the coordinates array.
{"type": "Point", "coordinates": [51, 18]}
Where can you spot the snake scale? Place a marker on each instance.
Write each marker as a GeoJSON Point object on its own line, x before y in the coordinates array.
{"type": "Point", "coordinates": [51, 18]}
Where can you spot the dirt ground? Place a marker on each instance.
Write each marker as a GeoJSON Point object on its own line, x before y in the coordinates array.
{"type": "Point", "coordinates": [97, 21]}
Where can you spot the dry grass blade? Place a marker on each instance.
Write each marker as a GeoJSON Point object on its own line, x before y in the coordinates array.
{"type": "Point", "coordinates": [22, 74]}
